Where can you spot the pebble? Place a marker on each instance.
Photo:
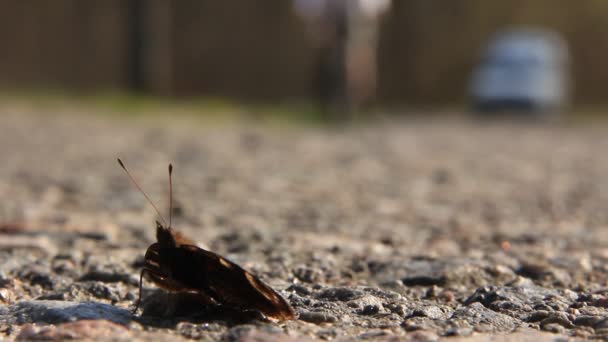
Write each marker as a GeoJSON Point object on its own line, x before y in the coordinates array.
{"type": "Point", "coordinates": [82, 329]}
{"type": "Point", "coordinates": [560, 318]}
{"type": "Point", "coordinates": [416, 323]}
{"type": "Point", "coordinates": [484, 319]}
{"type": "Point", "coordinates": [317, 317]}
{"type": "Point", "coordinates": [439, 280]}
{"type": "Point", "coordinates": [327, 334]}
{"type": "Point", "coordinates": [257, 335]}
{"type": "Point", "coordinates": [369, 310]}
{"type": "Point", "coordinates": [299, 289]}
{"type": "Point", "coordinates": [422, 336]}
{"type": "Point", "coordinates": [103, 291]}
{"type": "Point", "coordinates": [601, 324]}
{"type": "Point", "coordinates": [373, 334]}
{"type": "Point", "coordinates": [238, 333]}
{"type": "Point", "coordinates": [109, 277]}
{"type": "Point", "coordinates": [38, 276]}
{"type": "Point", "coordinates": [587, 321]}
{"type": "Point", "coordinates": [432, 312]}
{"type": "Point", "coordinates": [197, 331]}
{"type": "Point", "coordinates": [518, 300]}
{"type": "Point", "coordinates": [54, 311]}
{"type": "Point", "coordinates": [308, 274]}
{"type": "Point", "coordinates": [555, 328]}
{"type": "Point", "coordinates": [5, 280]}
{"type": "Point", "coordinates": [40, 243]}
{"type": "Point", "coordinates": [458, 331]}
{"type": "Point", "coordinates": [339, 293]}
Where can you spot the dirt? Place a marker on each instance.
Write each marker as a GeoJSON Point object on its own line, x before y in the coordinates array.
{"type": "Point", "coordinates": [408, 229]}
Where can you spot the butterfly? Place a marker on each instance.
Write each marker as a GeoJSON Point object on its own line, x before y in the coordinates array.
{"type": "Point", "coordinates": [176, 264]}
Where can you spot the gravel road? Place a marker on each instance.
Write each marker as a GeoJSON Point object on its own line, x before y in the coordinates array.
{"type": "Point", "coordinates": [404, 230]}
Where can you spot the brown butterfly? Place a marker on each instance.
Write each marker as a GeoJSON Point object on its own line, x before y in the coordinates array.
{"type": "Point", "coordinates": [176, 264]}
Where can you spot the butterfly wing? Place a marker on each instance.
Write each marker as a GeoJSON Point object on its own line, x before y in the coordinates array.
{"type": "Point", "coordinates": [228, 283]}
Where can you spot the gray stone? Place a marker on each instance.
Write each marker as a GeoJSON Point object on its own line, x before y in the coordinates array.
{"type": "Point", "coordinates": [432, 312]}
{"type": "Point", "coordinates": [339, 293]}
{"type": "Point", "coordinates": [483, 319]}
{"type": "Point", "coordinates": [316, 317]}
{"type": "Point", "coordinates": [52, 312]}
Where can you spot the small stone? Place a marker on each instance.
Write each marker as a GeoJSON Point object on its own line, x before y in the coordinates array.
{"type": "Point", "coordinates": [415, 323]}
{"type": "Point", "coordinates": [237, 333]}
{"type": "Point", "coordinates": [484, 319]}
{"type": "Point", "coordinates": [440, 176]}
{"type": "Point", "coordinates": [583, 332]}
{"type": "Point", "coordinates": [433, 292]}
{"type": "Point", "coordinates": [431, 312]}
{"type": "Point", "coordinates": [592, 311]}
{"type": "Point", "coordinates": [538, 316]}
{"type": "Point", "coordinates": [384, 294]}
{"type": "Point", "coordinates": [53, 312]}
{"type": "Point", "coordinates": [37, 276]}
{"type": "Point", "coordinates": [554, 328]}
{"type": "Point", "coordinates": [109, 277]}
{"type": "Point", "coordinates": [369, 310]}
{"type": "Point", "coordinates": [601, 302]}
{"type": "Point", "coordinates": [374, 334]}
{"type": "Point", "coordinates": [257, 335]}
{"type": "Point", "coordinates": [317, 317]}
{"type": "Point", "coordinates": [41, 243]}
{"type": "Point", "coordinates": [505, 305]}
{"type": "Point", "coordinates": [340, 293]}
{"type": "Point", "coordinates": [100, 290]}
{"type": "Point", "coordinates": [459, 331]}
{"type": "Point", "coordinates": [560, 318]}
{"type": "Point", "coordinates": [447, 296]}
{"type": "Point", "coordinates": [422, 336]}
{"type": "Point", "coordinates": [299, 289]}
{"type": "Point", "coordinates": [518, 300]}
{"type": "Point", "coordinates": [601, 324]}
{"type": "Point", "coordinates": [83, 329]}
{"type": "Point", "coordinates": [308, 274]}
{"type": "Point", "coordinates": [5, 296]}
{"type": "Point", "coordinates": [99, 235]}
{"type": "Point", "coordinates": [4, 280]}
{"type": "Point", "coordinates": [327, 334]}
{"type": "Point", "coordinates": [543, 307]}
{"type": "Point", "coordinates": [520, 281]}
{"type": "Point", "coordinates": [196, 331]}
{"type": "Point", "coordinates": [587, 321]}
{"type": "Point", "coordinates": [395, 308]}
{"type": "Point", "coordinates": [439, 280]}
{"type": "Point", "coordinates": [534, 271]}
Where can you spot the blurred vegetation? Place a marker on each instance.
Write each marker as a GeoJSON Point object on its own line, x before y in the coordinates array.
{"type": "Point", "coordinates": [123, 105]}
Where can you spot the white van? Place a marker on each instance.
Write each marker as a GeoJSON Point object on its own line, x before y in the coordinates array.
{"type": "Point", "coordinates": [522, 70]}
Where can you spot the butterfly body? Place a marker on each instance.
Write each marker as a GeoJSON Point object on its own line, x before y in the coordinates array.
{"type": "Point", "coordinates": [176, 264]}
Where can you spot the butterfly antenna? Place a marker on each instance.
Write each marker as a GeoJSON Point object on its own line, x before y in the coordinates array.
{"type": "Point", "coordinates": [170, 194]}
{"type": "Point", "coordinates": [141, 190]}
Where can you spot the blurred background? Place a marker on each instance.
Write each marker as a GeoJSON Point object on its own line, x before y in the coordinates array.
{"type": "Point", "coordinates": [340, 56]}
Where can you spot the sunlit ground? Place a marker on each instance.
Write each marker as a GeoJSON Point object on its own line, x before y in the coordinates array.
{"type": "Point", "coordinates": [393, 224]}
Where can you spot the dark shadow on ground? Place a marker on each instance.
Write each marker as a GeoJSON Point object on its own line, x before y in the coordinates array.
{"type": "Point", "coordinates": [166, 310]}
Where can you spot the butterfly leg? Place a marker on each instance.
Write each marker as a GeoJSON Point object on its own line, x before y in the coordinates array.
{"type": "Point", "coordinates": [141, 278]}
{"type": "Point", "coordinates": [253, 314]}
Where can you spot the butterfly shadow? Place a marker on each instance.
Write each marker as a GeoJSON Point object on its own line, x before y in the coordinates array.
{"type": "Point", "coordinates": [166, 310]}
